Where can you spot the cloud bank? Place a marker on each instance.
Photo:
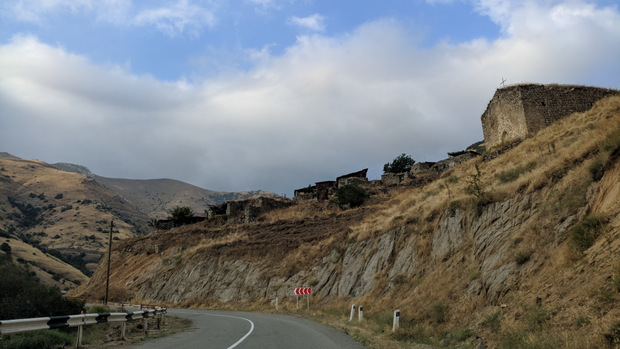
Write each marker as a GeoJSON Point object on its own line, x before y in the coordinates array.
{"type": "Point", "coordinates": [327, 106]}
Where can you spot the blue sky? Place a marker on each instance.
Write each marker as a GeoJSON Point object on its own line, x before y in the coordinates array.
{"type": "Point", "coordinates": [278, 94]}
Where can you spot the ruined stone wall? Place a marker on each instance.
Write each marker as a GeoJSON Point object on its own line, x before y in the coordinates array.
{"type": "Point", "coordinates": [517, 111]}
{"type": "Point", "coordinates": [544, 104]}
{"type": "Point", "coordinates": [247, 210]}
{"type": "Point", "coordinates": [504, 117]}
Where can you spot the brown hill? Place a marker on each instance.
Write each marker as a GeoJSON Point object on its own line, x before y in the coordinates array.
{"type": "Point", "coordinates": [66, 215]}
{"type": "Point", "coordinates": [157, 197]}
{"type": "Point", "coordinates": [520, 249]}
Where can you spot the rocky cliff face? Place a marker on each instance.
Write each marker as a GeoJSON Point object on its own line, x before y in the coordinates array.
{"type": "Point", "coordinates": [487, 239]}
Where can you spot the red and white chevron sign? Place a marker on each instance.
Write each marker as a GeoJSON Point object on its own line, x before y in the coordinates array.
{"type": "Point", "coordinates": [303, 290]}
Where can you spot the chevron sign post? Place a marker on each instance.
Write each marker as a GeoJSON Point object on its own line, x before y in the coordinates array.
{"type": "Point", "coordinates": [303, 290]}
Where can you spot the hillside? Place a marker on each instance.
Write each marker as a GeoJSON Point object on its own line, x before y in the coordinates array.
{"type": "Point", "coordinates": [47, 216]}
{"type": "Point", "coordinates": [517, 249]}
{"type": "Point", "coordinates": [156, 197]}
{"type": "Point", "coordinates": [56, 218]}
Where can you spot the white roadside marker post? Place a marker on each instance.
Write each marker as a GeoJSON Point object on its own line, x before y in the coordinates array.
{"type": "Point", "coordinates": [360, 313]}
{"type": "Point", "coordinates": [396, 320]}
{"type": "Point", "coordinates": [352, 312]}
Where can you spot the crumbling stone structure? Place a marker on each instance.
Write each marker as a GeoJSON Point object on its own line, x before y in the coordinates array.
{"type": "Point", "coordinates": [167, 224]}
{"type": "Point", "coordinates": [421, 167]}
{"type": "Point", "coordinates": [455, 158]}
{"type": "Point", "coordinates": [392, 179]}
{"type": "Point", "coordinates": [517, 111]}
{"type": "Point", "coordinates": [422, 173]}
{"type": "Point", "coordinates": [322, 190]}
{"type": "Point", "coordinates": [248, 210]}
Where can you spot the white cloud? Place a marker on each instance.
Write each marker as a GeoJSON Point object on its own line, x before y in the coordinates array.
{"type": "Point", "coordinates": [314, 22]}
{"type": "Point", "coordinates": [34, 10]}
{"type": "Point", "coordinates": [173, 18]}
{"type": "Point", "coordinates": [325, 107]}
{"type": "Point", "coordinates": [177, 18]}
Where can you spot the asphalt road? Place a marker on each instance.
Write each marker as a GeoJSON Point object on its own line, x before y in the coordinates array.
{"type": "Point", "coordinates": [221, 329]}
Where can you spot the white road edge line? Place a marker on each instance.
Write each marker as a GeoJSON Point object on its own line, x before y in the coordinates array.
{"type": "Point", "coordinates": [246, 335]}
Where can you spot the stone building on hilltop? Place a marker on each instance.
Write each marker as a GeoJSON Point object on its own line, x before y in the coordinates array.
{"type": "Point", "coordinates": [322, 190]}
{"type": "Point", "coordinates": [520, 110]}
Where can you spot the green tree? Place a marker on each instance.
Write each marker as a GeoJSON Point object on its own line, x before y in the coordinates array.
{"type": "Point", "coordinates": [181, 215]}
{"type": "Point", "coordinates": [351, 195]}
{"type": "Point", "coordinates": [21, 296]}
{"type": "Point", "coordinates": [400, 164]}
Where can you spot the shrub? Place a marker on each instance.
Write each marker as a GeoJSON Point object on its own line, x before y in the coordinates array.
{"type": "Point", "coordinates": [522, 256]}
{"type": "Point", "coordinates": [613, 335]}
{"type": "Point", "coordinates": [181, 215]}
{"type": "Point", "coordinates": [439, 313]}
{"type": "Point", "coordinates": [40, 340]}
{"type": "Point", "coordinates": [475, 186]}
{"type": "Point", "coordinates": [400, 164]}
{"type": "Point", "coordinates": [535, 316]}
{"type": "Point", "coordinates": [596, 169]}
{"type": "Point", "coordinates": [513, 175]}
{"type": "Point", "coordinates": [492, 322]}
{"type": "Point", "coordinates": [584, 234]}
{"type": "Point", "coordinates": [454, 205]}
{"type": "Point", "coordinates": [351, 195]}
{"type": "Point", "coordinates": [5, 247]}
{"type": "Point", "coordinates": [98, 309]}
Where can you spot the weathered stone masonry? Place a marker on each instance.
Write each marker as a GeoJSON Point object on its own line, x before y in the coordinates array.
{"type": "Point", "coordinates": [520, 110]}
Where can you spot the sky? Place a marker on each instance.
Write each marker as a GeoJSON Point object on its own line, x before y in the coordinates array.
{"type": "Point", "coordinates": [278, 94]}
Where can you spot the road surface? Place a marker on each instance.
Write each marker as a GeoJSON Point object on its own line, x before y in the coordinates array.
{"type": "Point", "coordinates": [227, 330]}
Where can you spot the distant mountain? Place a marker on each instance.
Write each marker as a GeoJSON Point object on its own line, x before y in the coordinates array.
{"type": "Point", "coordinates": [67, 167]}
{"type": "Point", "coordinates": [156, 197]}
{"type": "Point", "coordinates": [5, 155]}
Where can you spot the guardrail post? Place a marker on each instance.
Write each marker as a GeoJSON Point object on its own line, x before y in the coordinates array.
{"type": "Point", "coordinates": [396, 320]}
{"type": "Point", "coordinates": [360, 313]}
{"type": "Point", "coordinates": [146, 325]}
{"type": "Point", "coordinates": [123, 330]}
{"type": "Point", "coordinates": [78, 343]}
{"type": "Point", "coordinates": [352, 312]}
{"type": "Point", "coordinates": [163, 318]}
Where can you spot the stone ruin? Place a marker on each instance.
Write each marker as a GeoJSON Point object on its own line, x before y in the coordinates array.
{"type": "Point", "coordinates": [323, 190]}
{"type": "Point", "coordinates": [517, 111]}
{"type": "Point", "coordinates": [167, 224]}
{"type": "Point", "coordinates": [247, 210]}
{"type": "Point", "coordinates": [425, 172]}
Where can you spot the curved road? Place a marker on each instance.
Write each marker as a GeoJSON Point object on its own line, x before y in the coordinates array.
{"type": "Point", "coordinates": [228, 330]}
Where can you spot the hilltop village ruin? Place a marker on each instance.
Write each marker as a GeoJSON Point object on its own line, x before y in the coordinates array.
{"type": "Point", "coordinates": [514, 113]}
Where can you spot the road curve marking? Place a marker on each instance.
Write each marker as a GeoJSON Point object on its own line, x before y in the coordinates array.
{"type": "Point", "coordinates": [240, 318]}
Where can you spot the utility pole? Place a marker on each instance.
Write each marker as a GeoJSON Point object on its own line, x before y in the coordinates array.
{"type": "Point", "coordinates": [107, 280]}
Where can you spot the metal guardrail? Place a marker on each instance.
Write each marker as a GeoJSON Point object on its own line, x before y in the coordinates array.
{"type": "Point", "coordinates": [56, 322]}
